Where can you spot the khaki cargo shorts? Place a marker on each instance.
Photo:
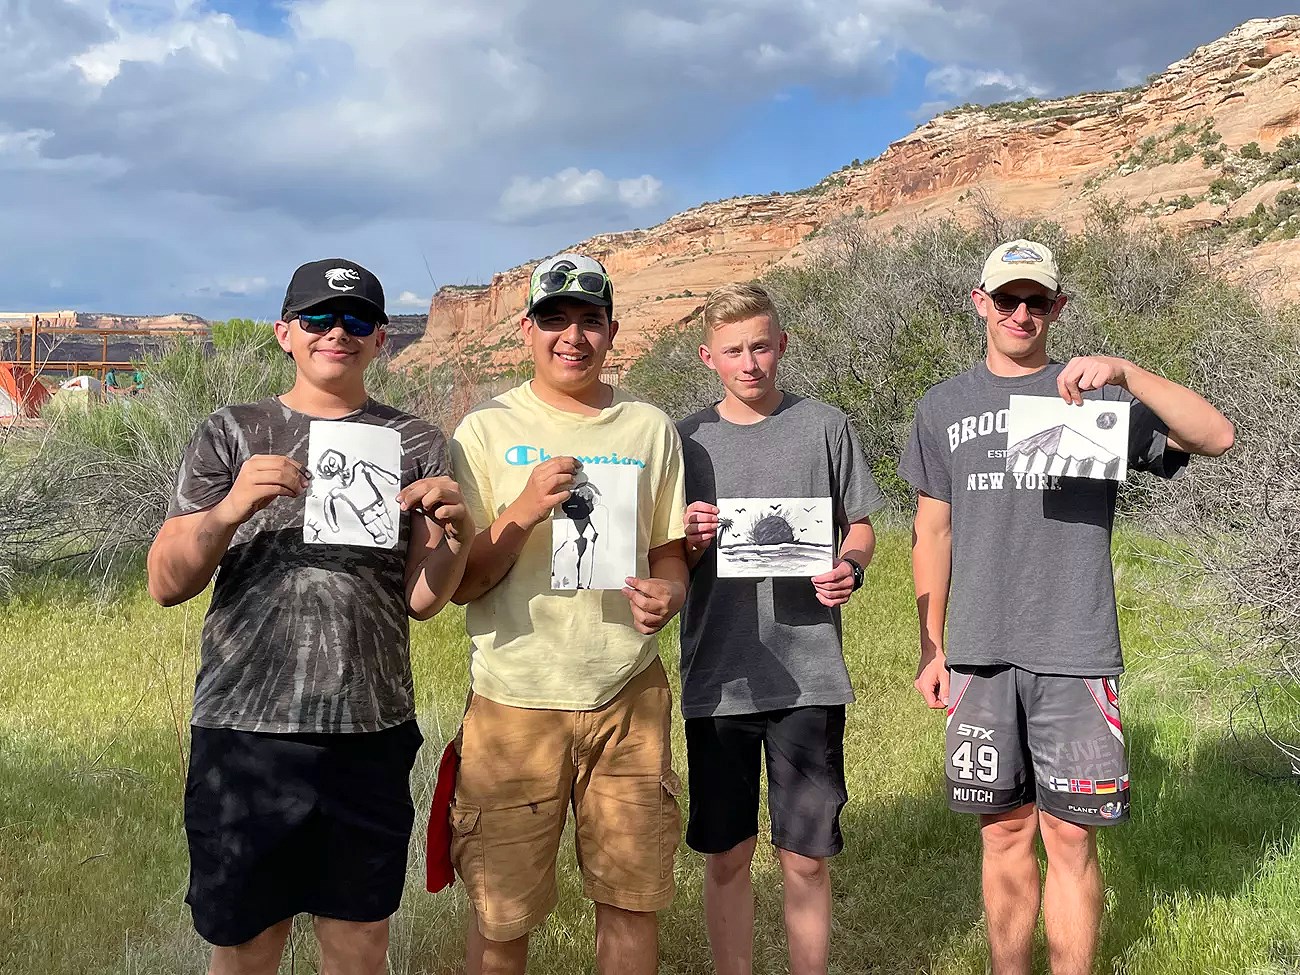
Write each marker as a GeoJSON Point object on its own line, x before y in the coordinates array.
{"type": "Point", "coordinates": [521, 768]}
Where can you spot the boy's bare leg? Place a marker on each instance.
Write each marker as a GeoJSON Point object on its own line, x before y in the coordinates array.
{"type": "Point", "coordinates": [627, 942]}
{"type": "Point", "coordinates": [258, 956]}
{"type": "Point", "coordinates": [1072, 896]}
{"type": "Point", "coordinates": [807, 882]}
{"type": "Point", "coordinates": [1011, 888]}
{"type": "Point", "coordinates": [729, 908]}
{"type": "Point", "coordinates": [352, 947]}
{"type": "Point", "coordinates": [484, 957]}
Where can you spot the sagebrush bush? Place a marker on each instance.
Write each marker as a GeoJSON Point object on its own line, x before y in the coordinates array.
{"type": "Point", "coordinates": [93, 485]}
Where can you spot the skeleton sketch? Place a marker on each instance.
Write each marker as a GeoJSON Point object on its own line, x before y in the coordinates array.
{"type": "Point", "coordinates": [355, 480]}
{"type": "Point", "coordinates": [593, 533]}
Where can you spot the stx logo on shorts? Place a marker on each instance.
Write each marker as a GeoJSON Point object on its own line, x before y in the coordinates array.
{"type": "Point", "coordinates": [975, 731]}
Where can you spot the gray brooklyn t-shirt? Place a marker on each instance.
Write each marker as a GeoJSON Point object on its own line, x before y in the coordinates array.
{"type": "Point", "coordinates": [301, 637]}
{"type": "Point", "coordinates": [751, 645]}
{"type": "Point", "coordinates": [1031, 582]}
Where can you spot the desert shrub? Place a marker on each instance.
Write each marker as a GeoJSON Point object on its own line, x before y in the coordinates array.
{"type": "Point", "coordinates": [243, 333]}
{"type": "Point", "coordinates": [92, 486]}
{"type": "Point", "coordinates": [1251, 150]}
{"type": "Point", "coordinates": [1226, 187]}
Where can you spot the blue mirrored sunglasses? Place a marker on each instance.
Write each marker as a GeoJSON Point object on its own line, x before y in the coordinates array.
{"type": "Point", "coordinates": [320, 324]}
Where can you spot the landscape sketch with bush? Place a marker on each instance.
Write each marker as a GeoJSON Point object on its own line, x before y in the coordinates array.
{"type": "Point", "coordinates": [1174, 211]}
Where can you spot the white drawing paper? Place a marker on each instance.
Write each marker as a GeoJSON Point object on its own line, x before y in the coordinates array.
{"type": "Point", "coordinates": [774, 537]}
{"type": "Point", "coordinates": [1047, 435]}
{"type": "Point", "coordinates": [593, 533]}
{"type": "Point", "coordinates": [356, 471]}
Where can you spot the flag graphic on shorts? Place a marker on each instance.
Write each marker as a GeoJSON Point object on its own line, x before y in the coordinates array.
{"type": "Point", "coordinates": [1058, 784]}
{"type": "Point", "coordinates": [1082, 786]}
{"type": "Point", "coordinates": [1106, 786]}
{"type": "Point", "coordinates": [1123, 781]}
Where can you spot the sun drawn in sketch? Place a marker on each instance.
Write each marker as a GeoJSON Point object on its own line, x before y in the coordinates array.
{"type": "Point", "coordinates": [1107, 420]}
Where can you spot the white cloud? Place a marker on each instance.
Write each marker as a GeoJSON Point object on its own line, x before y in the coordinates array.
{"type": "Point", "coordinates": [572, 189]}
{"type": "Point", "coordinates": [409, 299]}
{"type": "Point", "coordinates": [152, 141]}
{"type": "Point", "coordinates": [982, 84]}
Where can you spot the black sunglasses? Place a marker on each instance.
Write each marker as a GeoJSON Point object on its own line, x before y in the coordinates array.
{"type": "Point", "coordinates": [1008, 304]}
{"type": "Point", "coordinates": [320, 324]}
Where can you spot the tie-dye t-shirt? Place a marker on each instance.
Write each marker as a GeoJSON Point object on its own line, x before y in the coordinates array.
{"type": "Point", "coordinates": [300, 637]}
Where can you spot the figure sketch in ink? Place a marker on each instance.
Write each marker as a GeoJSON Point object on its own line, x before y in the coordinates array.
{"type": "Point", "coordinates": [760, 537]}
{"type": "Point", "coordinates": [359, 491]}
{"type": "Point", "coordinates": [593, 532]}
{"type": "Point", "coordinates": [355, 479]}
{"type": "Point", "coordinates": [1046, 435]}
{"type": "Point", "coordinates": [574, 556]}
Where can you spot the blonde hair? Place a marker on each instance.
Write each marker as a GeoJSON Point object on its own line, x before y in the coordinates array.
{"type": "Point", "coordinates": [735, 303]}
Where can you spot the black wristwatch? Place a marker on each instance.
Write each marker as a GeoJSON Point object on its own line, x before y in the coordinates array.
{"type": "Point", "coordinates": [859, 574]}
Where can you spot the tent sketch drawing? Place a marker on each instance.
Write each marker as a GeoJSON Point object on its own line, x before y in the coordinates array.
{"type": "Point", "coordinates": [355, 476]}
{"type": "Point", "coordinates": [760, 537]}
{"type": "Point", "coordinates": [593, 533]}
{"type": "Point", "coordinates": [1046, 435]}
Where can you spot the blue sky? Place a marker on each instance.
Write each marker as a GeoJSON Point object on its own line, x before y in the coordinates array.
{"type": "Point", "coordinates": [186, 155]}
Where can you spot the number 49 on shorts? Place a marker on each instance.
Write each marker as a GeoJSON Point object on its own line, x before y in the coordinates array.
{"type": "Point", "coordinates": [975, 762]}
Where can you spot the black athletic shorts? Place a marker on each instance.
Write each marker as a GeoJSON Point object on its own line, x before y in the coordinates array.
{"type": "Point", "coordinates": [283, 824]}
{"type": "Point", "coordinates": [805, 779]}
{"type": "Point", "coordinates": [1015, 737]}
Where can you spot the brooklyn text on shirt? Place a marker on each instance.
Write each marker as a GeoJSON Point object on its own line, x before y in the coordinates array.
{"type": "Point", "coordinates": [525, 455]}
{"type": "Point", "coordinates": [983, 425]}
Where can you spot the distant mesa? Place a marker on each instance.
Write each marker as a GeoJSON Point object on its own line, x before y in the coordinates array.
{"type": "Point", "coordinates": [1063, 451]}
{"type": "Point", "coordinates": [1176, 149]}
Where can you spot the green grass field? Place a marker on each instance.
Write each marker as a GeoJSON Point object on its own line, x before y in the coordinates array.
{"type": "Point", "coordinates": [94, 697]}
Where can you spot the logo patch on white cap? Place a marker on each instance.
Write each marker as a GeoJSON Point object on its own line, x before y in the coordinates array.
{"type": "Point", "coordinates": [1022, 255]}
{"type": "Point", "coordinates": [337, 278]}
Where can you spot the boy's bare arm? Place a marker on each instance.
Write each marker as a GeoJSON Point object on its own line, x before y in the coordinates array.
{"type": "Point", "coordinates": [496, 548]}
{"type": "Point", "coordinates": [442, 533]}
{"type": "Point", "coordinates": [931, 573]}
{"type": "Point", "coordinates": [189, 548]}
{"type": "Point", "coordinates": [1194, 425]}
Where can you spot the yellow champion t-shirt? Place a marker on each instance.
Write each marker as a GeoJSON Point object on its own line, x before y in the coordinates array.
{"type": "Point", "coordinates": [572, 650]}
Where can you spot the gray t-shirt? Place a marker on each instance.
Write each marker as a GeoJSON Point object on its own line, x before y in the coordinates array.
{"type": "Point", "coordinates": [300, 637]}
{"type": "Point", "coordinates": [1031, 581]}
{"type": "Point", "coordinates": [751, 645]}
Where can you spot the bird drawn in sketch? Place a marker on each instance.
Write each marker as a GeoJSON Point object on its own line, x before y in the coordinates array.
{"type": "Point", "coordinates": [810, 510]}
{"type": "Point", "coordinates": [358, 489]}
{"type": "Point", "coordinates": [584, 508]}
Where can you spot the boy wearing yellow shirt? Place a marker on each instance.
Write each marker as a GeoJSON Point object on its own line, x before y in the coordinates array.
{"type": "Point", "coordinates": [570, 705]}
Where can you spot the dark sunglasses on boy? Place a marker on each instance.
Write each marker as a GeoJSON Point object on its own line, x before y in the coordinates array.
{"type": "Point", "coordinates": [1008, 304]}
{"type": "Point", "coordinates": [324, 322]}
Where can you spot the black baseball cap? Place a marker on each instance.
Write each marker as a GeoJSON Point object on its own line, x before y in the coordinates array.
{"type": "Point", "coordinates": [339, 282]}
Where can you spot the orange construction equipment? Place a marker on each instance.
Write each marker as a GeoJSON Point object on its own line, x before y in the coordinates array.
{"type": "Point", "coordinates": [21, 393]}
